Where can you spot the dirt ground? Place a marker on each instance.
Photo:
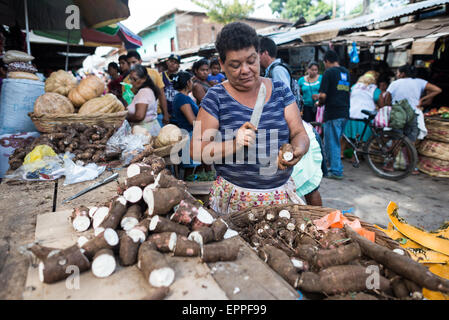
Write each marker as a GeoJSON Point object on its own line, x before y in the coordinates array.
{"type": "Point", "coordinates": [17, 225]}
{"type": "Point", "coordinates": [423, 201]}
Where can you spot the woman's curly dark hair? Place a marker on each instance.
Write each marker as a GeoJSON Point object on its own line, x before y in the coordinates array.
{"type": "Point", "coordinates": [236, 36]}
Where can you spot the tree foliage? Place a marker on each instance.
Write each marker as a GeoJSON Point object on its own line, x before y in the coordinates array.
{"type": "Point", "coordinates": [293, 9]}
{"type": "Point", "coordinates": [378, 5]}
{"type": "Point", "coordinates": [222, 11]}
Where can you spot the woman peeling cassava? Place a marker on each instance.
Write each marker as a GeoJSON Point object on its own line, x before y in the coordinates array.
{"type": "Point", "coordinates": [263, 177]}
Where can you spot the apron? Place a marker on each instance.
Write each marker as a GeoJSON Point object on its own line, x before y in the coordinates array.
{"type": "Point", "coordinates": [225, 197]}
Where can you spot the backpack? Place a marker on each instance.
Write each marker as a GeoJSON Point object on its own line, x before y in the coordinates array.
{"type": "Point", "coordinates": [293, 84]}
{"type": "Point", "coordinates": [401, 114]}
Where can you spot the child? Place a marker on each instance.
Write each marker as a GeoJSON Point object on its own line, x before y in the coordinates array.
{"type": "Point", "coordinates": [216, 76]}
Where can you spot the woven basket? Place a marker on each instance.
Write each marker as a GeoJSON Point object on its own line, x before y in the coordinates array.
{"type": "Point", "coordinates": [300, 211]}
{"type": "Point", "coordinates": [434, 149]}
{"type": "Point", "coordinates": [438, 130]}
{"type": "Point", "coordinates": [165, 151]}
{"type": "Point", "coordinates": [47, 122]}
{"type": "Point", "coordinates": [434, 167]}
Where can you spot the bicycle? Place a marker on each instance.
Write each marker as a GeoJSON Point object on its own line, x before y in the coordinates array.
{"type": "Point", "coordinates": [389, 153]}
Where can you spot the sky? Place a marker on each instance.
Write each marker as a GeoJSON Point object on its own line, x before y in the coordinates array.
{"type": "Point", "coordinates": [146, 12]}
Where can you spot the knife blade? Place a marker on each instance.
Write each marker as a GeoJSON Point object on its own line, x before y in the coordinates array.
{"type": "Point", "coordinates": [257, 112]}
{"type": "Point", "coordinates": [94, 186]}
{"type": "Point", "coordinates": [258, 108]}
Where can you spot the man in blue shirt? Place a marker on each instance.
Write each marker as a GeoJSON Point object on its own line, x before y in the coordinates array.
{"type": "Point", "coordinates": [334, 94]}
{"type": "Point", "coordinates": [267, 55]}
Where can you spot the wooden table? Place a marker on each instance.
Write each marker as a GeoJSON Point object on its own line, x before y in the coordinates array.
{"type": "Point", "coordinates": [246, 278]}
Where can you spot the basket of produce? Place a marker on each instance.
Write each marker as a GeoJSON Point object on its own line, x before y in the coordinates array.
{"type": "Point", "coordinates": [328, 255]}
{"type": "Point", "coordinates": [49, 123]}
{"type": "Point", "coordinates": [434, 167]}
{"type": "Point", "coordinates": [434, 149]}
{"type": "Point", "coordinates": [66, 102]}
{"type": "Point", "coordinates": [438, 129]}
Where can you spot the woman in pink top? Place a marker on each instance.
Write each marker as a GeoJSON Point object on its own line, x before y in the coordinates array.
{"type": "Point", "coordinates": [143, 109]}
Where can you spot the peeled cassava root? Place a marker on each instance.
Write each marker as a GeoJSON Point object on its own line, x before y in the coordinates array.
{"type": "Point", "coordinates": [128, 250]}
{"type": "Point", "coordinates": [160, 224]}
{"type": "Point", "coordinates": [164, 242]}
{"type": "Point", "coordinates": [202, 236]}
{"type": "Point", "coordinates": [186, 248]}
{"type": "Point", "coordinates": [137, 168]}
{"type": "Point", "coordinates": [115, 214]}
{"type": "Point", "coordinates": [130, 242]}
{"type": "Point", "coordinates": [400, 264]}
{"type": "Point", "coordinates": [161, 201]}
{"type": "Point", "coordinates": [133, 194]}
{"type": "Point", "coordinates": [60, 265]}
{"type": "Point", "coordinates": [287, 152]}
{"type": "Point", "coordinates": [108, 239]}
{"type": "Point", "coordinates": [154, 266]}
{"type": "Point", "coordinates": [103, 264]}
{"type": "Point", "coordinates": [131, 218]}
{"type": "Point", "coordinates": [42, 252]}
{"type": "Point", "coordinates": [80, 219]}
{"type": "Point", "coordinates": [186, 212]}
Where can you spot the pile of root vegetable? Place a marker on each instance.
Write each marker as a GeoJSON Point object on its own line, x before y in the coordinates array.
{"type": "Point", "coordinates": [332, 264]}
{"type": "Point", "coordinates": [153, 215]}
{"type": "Point", "coordinates": [88, 143]}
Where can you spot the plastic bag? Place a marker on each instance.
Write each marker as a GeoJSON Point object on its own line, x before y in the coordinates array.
{"type": "Point", "coordinates": [44, 169]}
{"type": "Point", "coordinates": [129, 144]}
{"type": "Point", "coordinates": [354, 55]}
{"type": "Point", "coordinates": [336, 219]}
{"type": "Point", "coordinates": [127, 95]}
{"type": "Point", "coordinates": [75, 172]}
{"type": "Point", "coordinates": [38, 153]}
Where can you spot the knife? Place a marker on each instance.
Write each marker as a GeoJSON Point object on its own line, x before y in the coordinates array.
{"type": "Point", "coordinates": [258, 108]}
{"type": "Point", "coordinates": [92, 187]}
{"type": "Point", "coordinates": [257, 111]}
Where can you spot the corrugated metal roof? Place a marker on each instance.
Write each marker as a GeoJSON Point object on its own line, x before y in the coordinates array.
{"type": "Point", "coordinates": [359, 22]}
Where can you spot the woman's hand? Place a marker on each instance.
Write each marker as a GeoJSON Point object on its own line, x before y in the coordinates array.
{"type": "Point", "coordinates": [246, 135]}
{"type": "Point", "coordinates": [298, 153]}
{"type": "Point", "coordinates": [166, 118]}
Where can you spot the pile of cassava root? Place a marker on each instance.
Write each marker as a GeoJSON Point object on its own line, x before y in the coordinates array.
{"type": "Point", "coordinates": [153, 215]}
{"type": "Point", "coordinates": [88, 143]}
{"type": "Point", "coordinates": [335, 264]}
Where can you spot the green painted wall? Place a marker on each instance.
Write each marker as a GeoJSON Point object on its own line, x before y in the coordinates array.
{"type": "Point", "coordinates": [159, 36]}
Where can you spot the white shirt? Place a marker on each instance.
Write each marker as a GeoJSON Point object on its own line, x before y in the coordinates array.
{"type": "Point", "coordinates": [362, 98]}
{"type": "Point", "coordinates": [145, 96]}
{"type": "Point", "coordinates": [409, 89]}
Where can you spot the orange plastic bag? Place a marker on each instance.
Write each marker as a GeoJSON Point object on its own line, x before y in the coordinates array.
{"type": "Point", "coordinates": [336, 219]}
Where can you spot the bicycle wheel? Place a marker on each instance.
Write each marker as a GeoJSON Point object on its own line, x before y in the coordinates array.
{"type": "Point", "coordinates": [390, 155]}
